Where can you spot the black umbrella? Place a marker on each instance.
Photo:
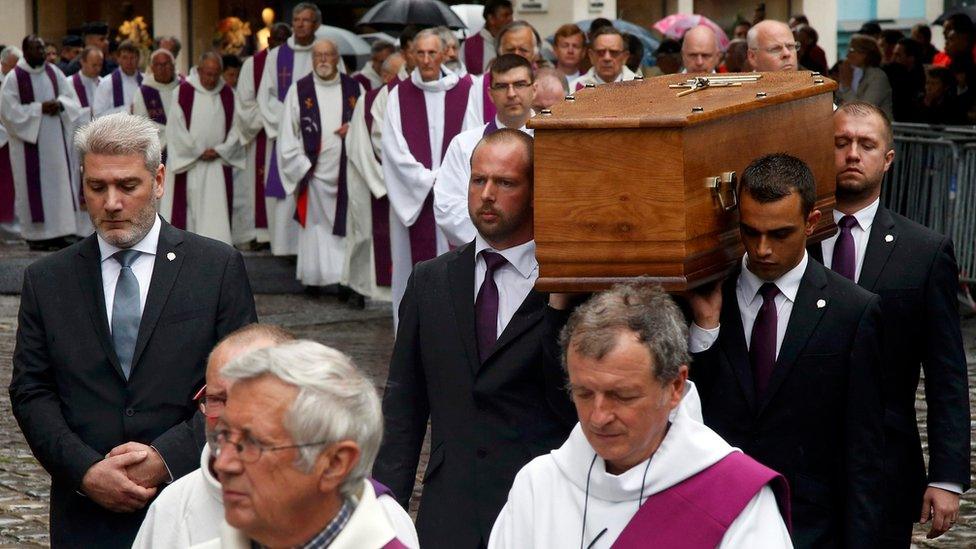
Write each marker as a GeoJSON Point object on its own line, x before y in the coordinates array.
{"type": "Point", "coordinates": [968, 10]}
{"type": "Point", "coordinates": [396, 14]}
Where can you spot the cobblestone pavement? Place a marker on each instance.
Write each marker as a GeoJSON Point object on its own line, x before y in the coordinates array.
{"type": "Point", "coordinates": [365, 335]}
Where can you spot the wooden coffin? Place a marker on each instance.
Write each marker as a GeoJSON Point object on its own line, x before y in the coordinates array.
{"type": "Point", "coordinates": [633, 181]}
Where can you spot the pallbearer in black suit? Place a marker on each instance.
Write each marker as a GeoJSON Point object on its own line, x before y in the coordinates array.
{"type": "Point", "coordinates": [786, 356]}
{"type": "Point", "coordinates": [913, 270]}
{"type": "Point", "coordinates": [112, 342]}
{"type": "Point", "coordinates": [468, 356]}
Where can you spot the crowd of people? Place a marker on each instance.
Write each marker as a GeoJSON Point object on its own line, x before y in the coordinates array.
{"type": "Point", "coordinates": [773, 409]}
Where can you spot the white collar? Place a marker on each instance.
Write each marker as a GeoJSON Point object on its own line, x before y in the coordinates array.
{"type": "Point", "coordinates": [788, 284]}
{"type": "Point", "coordinates": [134, 76]}
{"type": "Point", "coordinates": [147, 245]}
{"type": "Point", "coordinates": [444, 83]}
{"type": "Point", "coordinates": [149, 79]}
{"type": "Point", "coordinates": [864, 216]}
{"type": "Point", "coordinates": [213, 485]}
{"type": "Point", "coordinates": [22, 63]}
{"type": "Point", "coordinates": [319, 81]}
{"type": "Point", "coordinates": [194, 80]}
{"type": "Point", "coordinates": [291, 44]}
{"type": "Point", "coordinates": [499, 125]}
{"type": "Point", "coordinates": [522, 257]}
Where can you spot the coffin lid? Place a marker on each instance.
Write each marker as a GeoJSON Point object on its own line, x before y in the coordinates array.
{"type": "Point", "coordinates": [652, 104]}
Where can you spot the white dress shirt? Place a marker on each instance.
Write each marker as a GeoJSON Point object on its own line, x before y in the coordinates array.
{"type": "Point", "coordinates": [514, 279]}
{"type": "Point", "coordinates": [142, 267]}
{"type": "Point", "coordinates": [861, 233]}
{"type": "Point", "coordinates": [747, 295]}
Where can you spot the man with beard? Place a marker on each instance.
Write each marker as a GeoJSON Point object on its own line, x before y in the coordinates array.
{"type": "Point", "coordinates": [468, 356]}
{"type": "Point", "coordinates": [112, 341]}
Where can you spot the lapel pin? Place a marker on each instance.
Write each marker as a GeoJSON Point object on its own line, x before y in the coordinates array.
{"type": "Point", "coordinates": [171, 256]}
{"type": "Point", "coordinates": [821, 303]}
{"type": "Point", "coordinates": [889, 238]}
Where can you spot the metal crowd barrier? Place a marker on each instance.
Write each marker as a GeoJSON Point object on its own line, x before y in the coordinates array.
{"type": "Point", "coordinates": [933, 182]}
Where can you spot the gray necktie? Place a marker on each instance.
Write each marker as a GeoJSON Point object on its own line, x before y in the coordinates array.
{"type": "Point", "coordinates": [125, 310]}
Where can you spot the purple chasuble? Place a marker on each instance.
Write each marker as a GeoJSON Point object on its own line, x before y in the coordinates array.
{"type": "Point", "coordinates": [488, 109]}
{"type": "Point", "coordinates": [154, 104]}
{"type": "Point", "coordinates": [363, 81]}
{"type": "Point", "coordinates": [474, 54]}
{"type": "Point", "coordinates": [284, 65]}
{"type": "Point", "coordinates": [260, 151]}
{"type": "Point", "coordinates": [185, 99]}
{"type": "Point", "coordinates": [697, 512]}
{"type": "Point", "coordinates": [6, 186]}
{"type": "Point", "coordinates": [413, 121]}
{"type": "Point", "coordinates": [310, 121]}
{"type": "Point", "coordinates": [80, 89]}
{"type": "Point", "coordinates": [118, 98]}
{"type": "Point", "coordinates": [382, 255]}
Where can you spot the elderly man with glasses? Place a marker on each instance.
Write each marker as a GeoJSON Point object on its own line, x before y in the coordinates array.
{"type": "Point", "coordinates": [772, 47]}
{"type": "Point", "coordinates": [608, 55]}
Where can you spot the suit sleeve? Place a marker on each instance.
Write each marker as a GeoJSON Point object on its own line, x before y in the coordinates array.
{"type": "Point", "coordinates": [864, 449]}
{"type": "Point", "coordinates": [946, 380]}
{"type": "Point", "coordinates": [555, 376]}
{"type": "Point", "coordinates": [180, 446]}
{"type": "Point", "coordinates": [405, 404]}
{"type": "Point", "coordinates": [36, 403]}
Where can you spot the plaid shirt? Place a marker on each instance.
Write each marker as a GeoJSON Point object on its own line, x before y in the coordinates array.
{"type": "Point", "coordinates": [324, 538]}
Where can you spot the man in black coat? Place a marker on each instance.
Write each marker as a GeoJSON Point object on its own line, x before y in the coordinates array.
{"type": "Point", "coordinates": [473, 362]}
{"type": "Point", "coordinates": [913, 269]}
{"type": "Point", "coordinates": [786, 359]}
{"type": "Point", "coordinates": [112, 343]}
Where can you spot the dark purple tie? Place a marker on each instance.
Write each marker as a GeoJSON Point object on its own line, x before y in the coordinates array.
{"type": "Point", "coordinates": [845, 258]}
{"type": "Point", "coordinates": [762, 347]}
{"type": "Point", "coordinates": [486, 306]}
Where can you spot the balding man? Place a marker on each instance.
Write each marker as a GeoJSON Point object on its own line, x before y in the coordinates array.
{"type": "Point", "coordinates": [608, 54]}
{"type": "Point", "coordinates": [518, 38]}
{"type": "Point", "coordinates": [369, 77]}
{"type": "Point", "coordinates": [699, 51]}
{"type": "Point", "coordinates": [154, 97]}
{"type": "Point", "coordinates": [85, 82]}
{"type": "Point", "coordinates": [550, 87]}
{"type": "Point", "coordinates": [772, 47]}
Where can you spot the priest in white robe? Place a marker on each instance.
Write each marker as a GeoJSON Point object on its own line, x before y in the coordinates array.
{"type": "Point", "coordinates": [38, 107]}
{"type": "Point", "coordinates": [479, 49]}
{"type": "Point", "coordinates": [519, 38]}
{"type": "Point", "coordinates": [370, 76]}
{"type": "Point", "coordinates": [84, 82]}
{"type": "Point", "coordinates": [203, 149]}
{"type": "Point", "coordinates": [312, 158]}
{"type": "Point", "coordinates": [116, 91]}
{"type": "Point", "coordinates": [640, 465]}
{"type": "Point", "coordinates": [512, 93]}
{"type": "Point", "coordinates": [8, 220]}
{"type": "Point", "coordinates": [608, 55]}
{"type": "Point", "coordinates": [423, 114]}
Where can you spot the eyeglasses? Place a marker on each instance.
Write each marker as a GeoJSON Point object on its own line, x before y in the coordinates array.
{"type": "Point", "coordinates": [502, 86]}
{"type": "Point", "coordinates": [778, 50]}
{"type": "Point", "coordinates": [605, 51]}
{"type": "Point", "coordinates": [212, 406]}
{"type": "Point", "coordinates": [248, 450]}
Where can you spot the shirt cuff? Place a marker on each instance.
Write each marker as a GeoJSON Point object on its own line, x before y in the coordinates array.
{"type": "Point", "coordinates": [700, 339]}
{"type": "Point", "coordinates": [953, 487]}
{"type": "Point", "coordinates": [161, 458]}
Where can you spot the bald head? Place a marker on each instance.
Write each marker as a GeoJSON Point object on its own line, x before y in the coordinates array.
{"type": "Point", "coordinates": [325, 59]}
{"type": "Point", "coordinates": [699, 50]}
{"type": "Point", "coordinates": [550, 87]}
{"type": "Point", "coordinates": [772, 47]}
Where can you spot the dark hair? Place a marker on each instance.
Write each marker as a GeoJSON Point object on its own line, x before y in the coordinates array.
{"type": "Point", "coordinates": [231, 61]}
{"type": "Point", "coordinates": [509, 61]}
{"type": "Point", "coordinates": [598, 24]}
{"type": "Point", "coordinates": [809, 31]}
{"type": "Point", "coordinates": [924, 30]}
{"type": "Point", "coordinates": [607, 30]}
{"type": "Point", "coordinates": [492, 7]}
{"type": "Point", "coordinates": [871, 28]}
{"type": "Point", "coordinates": [668, 46]}
{"type": "Point", "coordinates": [961, 23]}
{"type": "Point", "coordinates": [943, 74]}
{"type": "Point", "coordinates": [891, 36]}
{"type": "Point", "coordinates": [407, 35]}
{"type": "Point", "coordinates": [381, 46]}
{"type": "Point", "coordinates": [776, 176]}
{"type": "Point", "coordinates": [800, 19]}
{"type": "Point", "coordinates": [129, 46]}
{"type": "Point", "coordinates": [863, 108]}
{"type": "Point", "coordinates": [913, 48]}
{"type": "Point", "coordinates": [863, 43]}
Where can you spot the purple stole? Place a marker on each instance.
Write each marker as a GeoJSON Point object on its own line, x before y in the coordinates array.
{"type": "Point", "coordinates": [490, 128]}
{"type": "Point", "coordinates": [363, 81]}
{"type": "Point", "coordinates": [382, 490]}
{"type": "Point", "coordinates": [118, 99]}
{"type": "Point", "coordinates": [474, 54]}
{"type": "Point", "coordinates": [185, 98]}
{"type": "Point", "coordinates": [80, 89]}
{"type": "Point", "coordinates": [154, 104]}
{"type": "Point", "coordinates": [310, 121]}
{"type": "Point", "coordinates": [698, 511]}
{"type": "Point", "coordinates": [260, 151]}
{"type": "Point", "coordinates": [285, 64]}
{"type": "Point", "coordinates": [32, 155]}
{"type": "Point", "coordinates": [382, 256]}
{"type": "Point", "coordinates": [488, 109]}
{"type": "Point", "coordinates": [413, 121]}
{"type": "Point", "coordinates": [6, 186]}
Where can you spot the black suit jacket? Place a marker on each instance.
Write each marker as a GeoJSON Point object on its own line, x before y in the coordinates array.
{"type": "Point", "coordinates": [68, 391]}
{"type": "Point", "coordinates": [913, 269]}
{"type": "Point", "coordinates": [487, 420]}
{"type": "Point", "coordinates": [820, 421]}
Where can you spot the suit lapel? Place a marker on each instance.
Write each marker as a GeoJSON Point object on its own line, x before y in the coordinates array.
{"type": "Point", "coordinates": [460, 275]}
{"type": "Point", "coordinates": [528, 314]}
{"type": "Point", "coordinates": [733, 342]}
{"type": "Point", "coordinates": [88, 265]}
{"type": "Point", "coordinates": [816, 252]}
{"type": "Point", "coordinates": [878, 249]}
{"type": "Point", "coordinates": [165, 271]}
{"type": "Point", "coordinates": [808, 309]}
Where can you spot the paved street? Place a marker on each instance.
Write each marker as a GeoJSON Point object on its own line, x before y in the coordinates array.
{"type": "Point", "coordinates": [365, 335]}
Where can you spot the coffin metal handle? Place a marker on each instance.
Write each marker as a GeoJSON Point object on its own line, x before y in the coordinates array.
{"type": "Point", "coordinates": [728, 179]}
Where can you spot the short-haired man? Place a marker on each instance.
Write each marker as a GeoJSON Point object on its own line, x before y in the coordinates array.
{"type": "Point", "coordinates": [737, 56]}
{"type": "Point", "coordinates": [84, 82]}
{"type": "Point", "coordinates": [112, 341]}
{"type": "Point", "coordinates": [914, 271]}
{"type": "Point", "coordinates": [772, 47]}
{"type": "Point", "coordinates": [169, 43]}
{"type": "Point", "coordinates": [699, 50]}
{"type": "Point", "coordinates": [479, 49]}
{"type": "Point", "coordinates": [232, 69]}
{"type": "Point", "coordinates": [369, 77]}
{"type": "Point", "coordinates": [71, 46]}
{"type": "Point", "coordinates": [550, 88]}
{"type": "Point", "coordinates": [512, 93]}
{"type": "Point", "coordinates": [608, 55]}
{"type": "Point", "coordinates": [570, 46]}
{"type": "Point", "coordinates": [94, 33]}
{"type": "Point", "coordinates": [787, 359]}
{"type": "Point", "coordinates": [626, 354]}
{"type": "Point", "coordinates": [115, 93]}
{"type": "Point", "coordinates": [294, 446]}
{"type": "Point", "coordinates": [517, 38]}
{"type": "Point", "coordinates": [155, 96]}
{"type": "Point", "coordinates": [468, 356]}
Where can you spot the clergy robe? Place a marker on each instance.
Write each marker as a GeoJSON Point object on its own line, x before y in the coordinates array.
{"type": "Point", "coordinates": [6, 177]}
{"type": "Point", "coordinates": [413, 142]}
{"type": "Point", "coordinates": [203, 202]}
{"type": "Point", "coordinates": [546, 503]}
{"type": "Point", "coordinates": [251, 207]}
{"type": "Point", "coordinates": [481, 110]}
{"type": "Point", "coordinates": [322, 196]}
{"type": "Point", "coordinates": [368, 78]}
{"type": "Point", "coordinates": [85, 90]}
{"type": "Point", "coordinates": [479, 50]}
{"type": "Point", "coordinates": [592, 78]}
{"type": "Point", "coordinates": [284, 65]}
{"type": "Point", "coordinates": [451, 184]}
{"type": "Point", "coordinates": [45, 202]}
{"type": "Point", "coordinates": [115, 92]}
{"type": "Point", "coordinates": [153, 100]}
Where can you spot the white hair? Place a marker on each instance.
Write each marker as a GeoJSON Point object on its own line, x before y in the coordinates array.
{"type": "Point", "coordinates": [163, 51]}
{"type": "Point", "coordinates": [335, 401]}
{"type": "Point", "coordinates": [121, 134]}
{"type": "Point", "coordinates": [520, 25]}
{"type": "Point", "coordinates": [447, 36]}
{"type": "Point", "coordinates": [752, 36]}
{"type": "Point", "coordinates": [431, 32]}
{"type": "Point", "coordinates": [310, 6]}
{"type": "Point", "coordinates": [8, 51]}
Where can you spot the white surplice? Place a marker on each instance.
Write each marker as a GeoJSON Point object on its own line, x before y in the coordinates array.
{"type": "Point", "coordinates": [375, 80]}
{"type": "Point", "coordinates": [320, 253]}
{"type": "Point", "coordinates": [84, 224]}
{"type": "Point", "coordinates": [249, 125]}
{"type": "Point", "coordinates": [166, 94]}
{"type": "Point", "coordinates": [546, 502]}
{"type": "Point", "coordinates": [104, 102]}
{"type": "Point", "coordinates": [206, 197]}
{"type": "Point", "coordinates": [591, 77]}
{"type": "Point", "coordinates": [474, 114]}
{"type": "Point", "coordinates": [51, 133]}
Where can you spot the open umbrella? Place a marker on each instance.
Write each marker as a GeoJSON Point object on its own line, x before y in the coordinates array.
{"type": "Point", "coordinates": [396, 14]}
{"type": "Point", "coordinates": [472, 16]}
{"type": "Point", "coordinates": [352, 47]}
{"type": "Point", "coordinates": [675, 26]}
{"type": "Point", "coordinates": [968, 10]}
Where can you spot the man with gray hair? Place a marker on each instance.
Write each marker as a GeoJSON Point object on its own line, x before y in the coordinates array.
{"type": "Point", "coordinates": [699, 51]}
{"type": "Point", "coordinates": [517, 38]}
{"type": "Point", "coordinates": [294, 446]}
{"type": "Point", "coordinates": [772, 47]}
{"type": "Point", "coordinates": [8, 58]}
{"type": "Point", "coordinates": [626, 354]}
{"type": "Point", "coordinates": [112, 340]}
{"type": "Point", "coordinates": [370, 76]}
